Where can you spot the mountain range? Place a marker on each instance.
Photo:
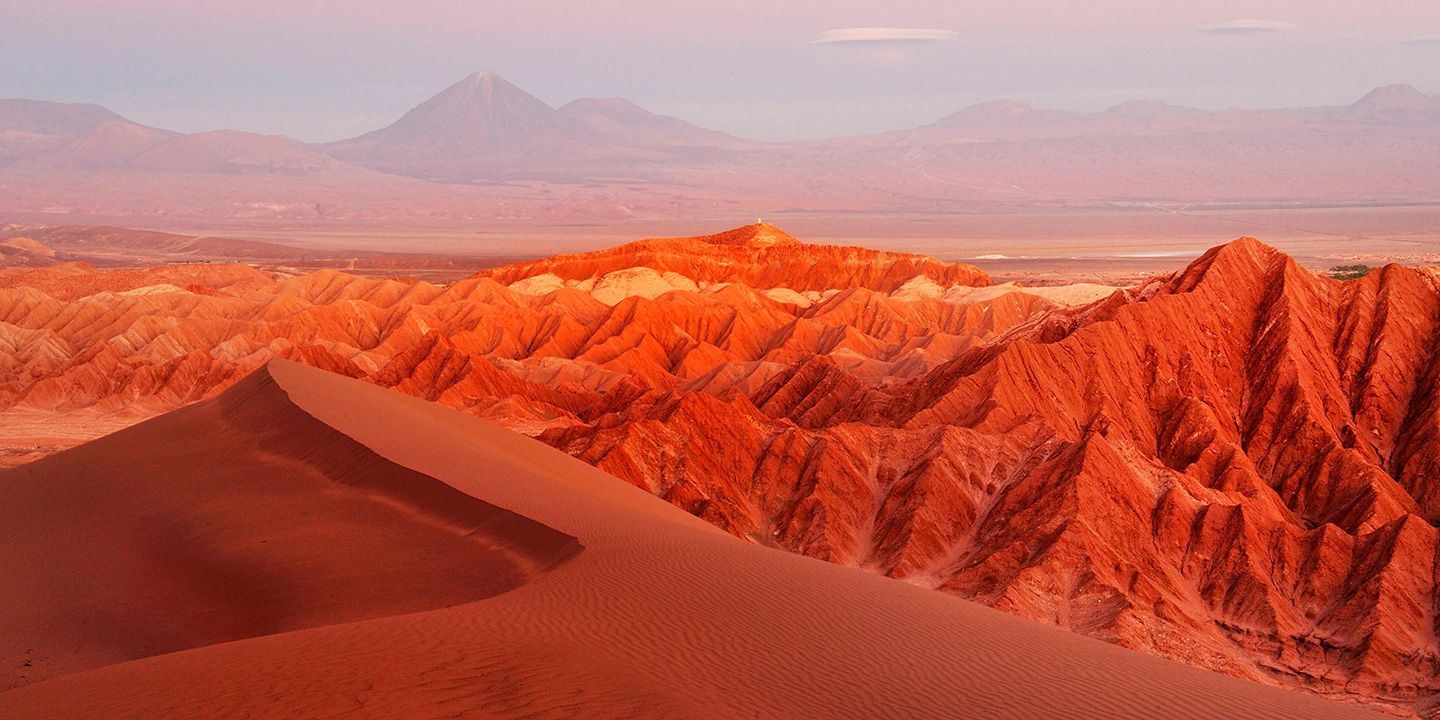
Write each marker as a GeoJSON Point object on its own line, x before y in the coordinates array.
{"type": "Point", "coordinates": [483, 127]}
{"type": "Point", "coordinates": [1232, 465]}
{"type": "Point", "coordinates": [484, 130]}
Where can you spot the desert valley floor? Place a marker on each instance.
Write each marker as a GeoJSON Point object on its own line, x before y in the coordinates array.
{"type": "Point", "coordinates": [1233, 466]}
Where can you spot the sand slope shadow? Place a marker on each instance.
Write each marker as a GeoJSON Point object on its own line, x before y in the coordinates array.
{"type": "Point", "coordinates": [236, 517]}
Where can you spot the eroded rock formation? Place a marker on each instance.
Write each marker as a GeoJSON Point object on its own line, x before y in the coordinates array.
{"type": "Point", "coordinates": [1237, 466]}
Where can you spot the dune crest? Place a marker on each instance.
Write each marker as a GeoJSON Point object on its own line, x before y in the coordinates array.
{"type": "Point", "coordinates": [236, 517]}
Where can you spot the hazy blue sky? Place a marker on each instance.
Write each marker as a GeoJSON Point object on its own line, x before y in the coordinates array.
{"type": "Point", "coordinates": [765, 69]}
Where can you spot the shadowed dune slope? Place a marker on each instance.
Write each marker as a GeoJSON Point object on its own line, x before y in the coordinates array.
{"type": "Point", "coordinates": [660, 615]}
{"type": "Point", "coordinates": [236, 517]}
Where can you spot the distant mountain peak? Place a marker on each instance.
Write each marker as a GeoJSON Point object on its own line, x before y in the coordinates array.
{"type": "Point", "coordinates": [482, 76]}
{"type": "Point", "coordinates": [483, 81]}
{"type": "Point", "coordinates": [989, 112]}
{"type": "Point", "coordinates": [484, 126]}
{"type": "Point", "coordinates": [484, 87]}
{"type": "Point", "coordinates": [1003, 106]}
{"type": "Point", "coordinates": [623, 121]}
{"type": "Point", "coordinates": [53, 118]}
{"type": "Point", "coordinates": [1393, 92]}
{"type": "Point", "coordinates": [1148, 108]}
{"type": "Point", "coordinates": [476, 120]}
{"type": "Point", "coordinates": [1396, 98]}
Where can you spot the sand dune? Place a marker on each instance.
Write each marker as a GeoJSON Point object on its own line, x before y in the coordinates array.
{"type": "Point", "coordinates": [372, 503]}
{"type": "Point", "coordinates": [223, 526]}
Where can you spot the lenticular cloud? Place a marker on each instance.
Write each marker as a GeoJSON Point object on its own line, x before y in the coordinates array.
{"type": "Point", "coordinates": [884, 35]}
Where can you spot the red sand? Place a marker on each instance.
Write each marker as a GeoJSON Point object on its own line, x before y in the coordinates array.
{"type": "Point", "coordinates": [213, 523]}
{"type": "Point", "coordinates": [659, 614]}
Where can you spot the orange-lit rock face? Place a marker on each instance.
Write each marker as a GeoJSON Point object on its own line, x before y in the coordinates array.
{"type": "Point", "coordinates": [317, 544]}
{"type": "Point", "coordinates": [649, 319]}
{"type": "Point", "coordinates": [1235, 466]}
{"type": "Point", "coordinates": [760, 256]}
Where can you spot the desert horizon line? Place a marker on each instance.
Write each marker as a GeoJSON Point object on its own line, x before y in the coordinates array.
{"type": "Point", "coordinates": [1000, 101]}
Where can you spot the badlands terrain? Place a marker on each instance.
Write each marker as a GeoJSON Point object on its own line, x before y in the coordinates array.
{"type": "Point", "coordinates": [1232, 465]}
{"type": "Point", "coordinates": [308, 545]}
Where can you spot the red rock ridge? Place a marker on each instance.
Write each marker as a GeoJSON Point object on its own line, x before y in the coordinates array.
{"type": "Point", "coordinates": [1233, 466]}
{"type": "Point", "coordinates": [759, 255]}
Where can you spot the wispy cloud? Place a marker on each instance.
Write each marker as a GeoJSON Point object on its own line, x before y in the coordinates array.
{"type": "Point", "coordinates": [884, 35]}
{"type": "Point", "coordinates": [1432, 41]}
{"type": "Point", "coordinates": [1247, 26]}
